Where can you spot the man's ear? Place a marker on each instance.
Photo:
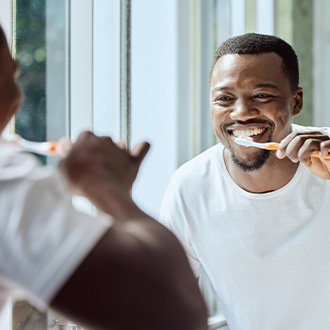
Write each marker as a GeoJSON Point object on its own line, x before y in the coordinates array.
{"type": "Point", "coordinates": [297, 101]}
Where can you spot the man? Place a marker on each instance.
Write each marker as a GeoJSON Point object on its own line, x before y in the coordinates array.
{"type": "Point", "coordinates": [256, 223]}
{"type": "Point", "coordinates": [124, 273]}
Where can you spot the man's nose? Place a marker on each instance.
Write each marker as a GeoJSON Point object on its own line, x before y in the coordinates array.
{"type": "Point", "coordinates": [243, 111]}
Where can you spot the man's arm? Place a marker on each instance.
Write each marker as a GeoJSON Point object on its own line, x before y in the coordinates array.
{"type": "Point", "coordinates": [137, 276]}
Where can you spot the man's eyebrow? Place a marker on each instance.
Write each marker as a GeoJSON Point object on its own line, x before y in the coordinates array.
{"type": "Point", "coordinates": [267, 85]}
{"type": "Point", "coordinates": [220, 88]}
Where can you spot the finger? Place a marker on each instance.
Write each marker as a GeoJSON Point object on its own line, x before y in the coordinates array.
{"type": "Point", "coordinates": [121, 145]}
{"type": "Point", "coordinates": [302, 146]}
{"type": "Point", "coordinates": [309, 146]}
{"type": "Point", "coordinates": [140, 151]}
{"type": "Point", "coordinates": [287, 140]}
{"type": "Point", "coordinates": [105, 138]}
{"type": "Point", "coordinates": [89, 139]}
{"type": "Point", "coordinates": [280, 154]}
{"type": "Point", "coordinates": [284, 143]}
{"type": "Point", "coordinates": [85, 135]}
{"type": "Point", "coordinates": [324, 148]}
{"type": "Point", "coordinates": [292, 147]}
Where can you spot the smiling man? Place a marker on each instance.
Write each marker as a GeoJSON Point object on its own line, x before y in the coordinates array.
{"type": "Point", "coordinates": [255, 223]}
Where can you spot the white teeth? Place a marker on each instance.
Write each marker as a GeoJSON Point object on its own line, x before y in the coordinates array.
{"type": "Point", "coordinates": [250, 132]}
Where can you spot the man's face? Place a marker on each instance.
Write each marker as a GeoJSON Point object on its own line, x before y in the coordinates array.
{"type": "Point", "coordinates": [10, 94]}
{"type": "Point", "coordinates": [251, 96]}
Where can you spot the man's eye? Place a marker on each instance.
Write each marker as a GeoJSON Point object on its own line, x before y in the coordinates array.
{"type": "Point", "coordinates": [262, 96]}
{"type": "Point", "coordinates": [224, 99]}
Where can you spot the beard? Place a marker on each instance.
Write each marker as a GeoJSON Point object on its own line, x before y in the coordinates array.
{"type": "Point", "coordinates": [254, 164]}
{"type": "Point", "coordinates": [260, 159]}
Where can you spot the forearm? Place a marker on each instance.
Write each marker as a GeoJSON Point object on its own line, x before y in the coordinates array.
{"type": "Point", "coordinates": [136, 277]}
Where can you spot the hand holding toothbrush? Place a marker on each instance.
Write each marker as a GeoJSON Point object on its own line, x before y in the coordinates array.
{"type": "Point", "coordinates": [310, 148]}
{"type": "Point", "coordinates": [301, 146]}
{"type": "Point", "coordinates": [104, 171]}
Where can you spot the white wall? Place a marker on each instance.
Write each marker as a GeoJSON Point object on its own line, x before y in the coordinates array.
{"type": "Point", "coordinates": [5, 17]}
{"type": "Point", "coordinates": [154, 95]}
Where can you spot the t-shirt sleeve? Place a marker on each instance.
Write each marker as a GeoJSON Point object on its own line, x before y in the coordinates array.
{"type": "Point", "coordinates": [173, 215]}
{"type": "Point", "coordinates": [43, 239]}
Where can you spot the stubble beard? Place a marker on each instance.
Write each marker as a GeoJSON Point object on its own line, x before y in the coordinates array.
{"type": "Point", "coordinates": [253, 165]}
{"type": "Point", "coordinates": [257, 162]}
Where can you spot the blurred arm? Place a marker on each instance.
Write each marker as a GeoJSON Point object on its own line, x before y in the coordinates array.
{"type": "Point", "coordinates": [137, 276]}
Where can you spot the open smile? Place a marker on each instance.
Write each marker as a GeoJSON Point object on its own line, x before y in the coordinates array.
{"type": "Point", "coordinates": [248, 159]}
{"type": "Point", "coordinates": [257, 133]}
{"type": "Point", "coordinates": [248, 132]}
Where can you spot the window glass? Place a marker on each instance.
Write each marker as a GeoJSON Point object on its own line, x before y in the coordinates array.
{"type": "Point", "coordinates": [250, 15]}
{"type": "Point", "coordinates": [294, 23]}
{"type": "Point", "coordinates": [39, 44]}
{"type": "Point", "coordinates": [30, 51]}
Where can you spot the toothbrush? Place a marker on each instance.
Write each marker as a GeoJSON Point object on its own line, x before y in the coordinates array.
{"type": "Point", "coordinates": [246, 142]}
{"type": "Point", "coordinates": [48, 148]}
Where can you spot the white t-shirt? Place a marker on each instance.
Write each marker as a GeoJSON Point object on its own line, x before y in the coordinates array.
{"type": "Point", "coordinates": [43, 239]}
{"type": "Point", "coordinates": [267, 256]}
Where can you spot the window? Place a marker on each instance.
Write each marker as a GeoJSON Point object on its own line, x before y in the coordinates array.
{"type": "Point", "coordinates": [40, 44]}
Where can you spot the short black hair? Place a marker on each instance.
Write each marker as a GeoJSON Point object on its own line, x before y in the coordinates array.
{"type": "Point", "coordinates": [254, 44]}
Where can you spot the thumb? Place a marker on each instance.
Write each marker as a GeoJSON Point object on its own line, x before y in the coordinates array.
{"type": "Point", "coordinates": [139, 152]}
